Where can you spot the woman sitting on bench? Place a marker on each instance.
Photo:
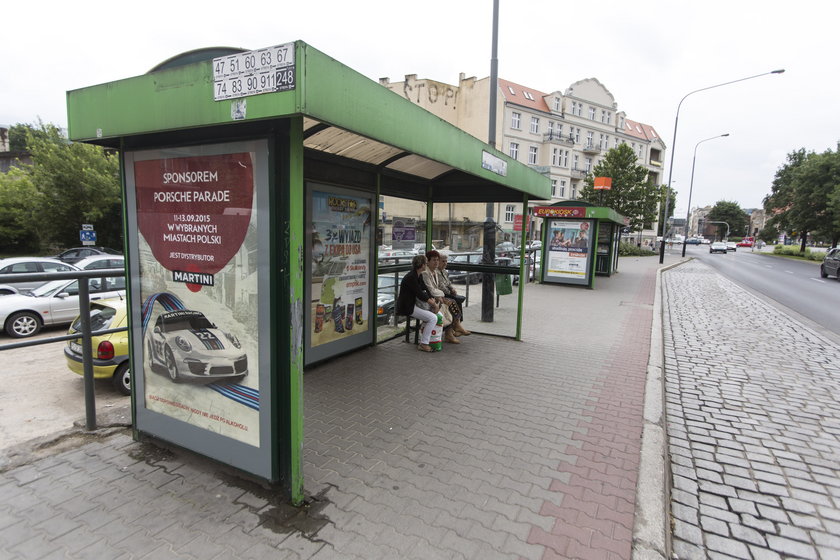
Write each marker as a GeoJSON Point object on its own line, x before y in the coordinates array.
{"type": "Point", "coordinates": [414, 300]}
{"type": "Point", "coordinates": [451, 313]}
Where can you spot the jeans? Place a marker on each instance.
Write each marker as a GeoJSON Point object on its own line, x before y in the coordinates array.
{"type": "Point", "coordinates": [429, 321]}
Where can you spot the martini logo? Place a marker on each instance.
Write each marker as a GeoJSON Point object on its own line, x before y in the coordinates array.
{"type": "Point", "coordinates": [194, 212]}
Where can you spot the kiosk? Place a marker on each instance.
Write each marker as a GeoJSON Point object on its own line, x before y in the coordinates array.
{"type": "Point", "coordinates": [579, 241]}
{"type": "Point", "coordinates": [250, 185]}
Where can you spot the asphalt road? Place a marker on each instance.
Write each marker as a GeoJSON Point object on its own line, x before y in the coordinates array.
{"type": "Point", "coordinates": [793, 283]}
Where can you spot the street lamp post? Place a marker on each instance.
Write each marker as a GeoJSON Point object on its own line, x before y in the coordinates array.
{"type": "Point", "coordinates": [674, 146]}
{"type": "Point", "coordinates": [691, 186]}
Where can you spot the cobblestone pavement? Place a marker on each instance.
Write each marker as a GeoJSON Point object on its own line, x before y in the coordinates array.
{"type": "Point", "coordinates": [491, 449]}
{"type": "Point", "coordinates": [753, 406]}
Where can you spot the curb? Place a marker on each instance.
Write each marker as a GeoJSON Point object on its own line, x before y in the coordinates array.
{"type": "Point", "coordinates": [651, 525]}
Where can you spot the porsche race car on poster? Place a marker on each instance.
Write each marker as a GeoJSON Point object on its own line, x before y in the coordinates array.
{"type": "Point", "coordinates": [192, 349]}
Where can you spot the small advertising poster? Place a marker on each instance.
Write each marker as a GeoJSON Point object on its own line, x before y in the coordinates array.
{"type": "Point", "coordinates": [569, 251]}
{"type": "Point", "coordinates": [403, 233]}
{"type": "Point", "coordinates": [340, 246]}
{"type": "Point", "coordinates": [197, 250]}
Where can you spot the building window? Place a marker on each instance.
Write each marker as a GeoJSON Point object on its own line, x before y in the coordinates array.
{"type": "Point", "coordinates": [553, 188]}
{"type": "Point", "coordinates": [564, 158]}
{"type": "Point", "coordinates": [609, 117]}
{"type": "Point", "coordinates": [510, 210]}
{"type": "Point", "coordinates": [641, 152]}
{"type": "Point", "coordinates": [515, 120]}
{"type": "Point", "coordinates": [555, 156]}
{"type": "Point", "coordinates": [577, 136]}
{"type": "Point", "coordinates": [514, 150]}
{"type": "Point", "coordinates": [574, 107]}
{"type": "Point", "coordinates": [550, 128]}
{"type": "Point", "coordinates": [562, 193]}
{"type": "Point", "coordinates": [575, 161]}
{"type": "Point", "coordinates": [592, 113]}
{"type": "Point", "coordinates": [535, 125]}
{"type": "Point", "coordinates": [573, 194]}
{"type": "Point", "coordinates": [589, 138]}
{"type": "Point", "coordinates": [615, 145]}
{"type": "Point", "coordinates": [557, 104]}
{"type": "Point", "coordinates": [587, 166]}
{"type": "Point", "coordinates": [532, 155]}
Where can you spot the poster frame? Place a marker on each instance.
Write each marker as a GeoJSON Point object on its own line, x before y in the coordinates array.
{"type": "Point", "coordinates": [357, 340]}
{"type": "Point", "coordinates": [256, 459]}
{"type": "Point", "coordinates": [556, 223]}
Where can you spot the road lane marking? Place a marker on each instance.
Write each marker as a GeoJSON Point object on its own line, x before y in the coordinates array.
{"type": "Point", "coordinates": [818, 280]}
{"type": "Point", "coordinates": [788, 271]}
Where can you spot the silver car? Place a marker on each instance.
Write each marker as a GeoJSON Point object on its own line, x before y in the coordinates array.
{"type": "Point", "coordinates": [29, 265]}
{"type": "Point", "coordinates": [54, 303]}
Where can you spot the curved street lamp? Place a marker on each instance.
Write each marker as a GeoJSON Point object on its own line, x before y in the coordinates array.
{"type": "Point", "coordinates": [691, 186]}
{"type": "Point", "coordinates": [674, 146]}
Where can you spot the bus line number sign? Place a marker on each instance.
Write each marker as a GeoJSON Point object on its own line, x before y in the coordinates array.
{"type": "Point", "coordinates": [254, 72]}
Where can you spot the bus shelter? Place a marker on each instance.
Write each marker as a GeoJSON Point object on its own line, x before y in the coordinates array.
{"type": "Point", "coordinates": [579, 241]}
{"type": "Point", "coordinates": [250, 185]}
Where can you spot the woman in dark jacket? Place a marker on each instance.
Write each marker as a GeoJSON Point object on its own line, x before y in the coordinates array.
{"type": "Point", "coordinates": [413, 292]}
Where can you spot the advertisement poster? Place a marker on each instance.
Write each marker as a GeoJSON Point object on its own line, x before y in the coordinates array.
{"type": "Point", "coordinates": [403, 233]}
{"type": "Point", "coordinates": [569, 250]}
{"type": "Point", "coordinates": [341, 266]}
{"type": "Point", "coordinates": [197, 243]}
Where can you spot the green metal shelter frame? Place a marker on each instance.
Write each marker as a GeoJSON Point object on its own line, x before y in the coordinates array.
{"type": "Point", "coordinates": [334, 127]}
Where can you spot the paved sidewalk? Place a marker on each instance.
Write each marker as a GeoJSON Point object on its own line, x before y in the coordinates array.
{"type": "Point", "coordinates": [753, 402]}
{"type": "Point", "coordinates": [492, 449]}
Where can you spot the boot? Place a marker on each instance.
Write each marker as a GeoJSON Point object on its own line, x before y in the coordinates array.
{"type": "Point", "coordinates": [449, 337]}
{"type": "Point", "coordinates": [459, 328]}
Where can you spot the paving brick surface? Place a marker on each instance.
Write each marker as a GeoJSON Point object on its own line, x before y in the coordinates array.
{"type": "Point", "coordinates": [491, 449]}
{"type": "Point", "coordinates": [753, 408]}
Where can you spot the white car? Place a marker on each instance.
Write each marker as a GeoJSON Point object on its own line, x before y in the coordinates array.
{"type": "Point", "coordinates": [96, 262]}
{"type": "Point", "coordinates": [54, 303]}
{"type": "Point", "coordinates": [29, 265]}
{"type": "Point", "coordinates": [191, 348]}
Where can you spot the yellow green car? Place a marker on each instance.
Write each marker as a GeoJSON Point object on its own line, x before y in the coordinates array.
{"type": "Point", "coordinates": [110, 351]}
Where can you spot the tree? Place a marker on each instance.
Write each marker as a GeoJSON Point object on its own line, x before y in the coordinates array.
{"type": "Point", "coordinates": [731, 213]}
{"type": "Point", "coordinates": [19, 222]}
{"type": "Point", "coordinates": [631, 194]}
{"type": "Point", "coordinates": [660, 198]}
{"type": "Point", "coordinates": [18, 134]}
{"type": "Point", "coordinates": [804, 197]}
{"type": "Point", "coordinates": [78, 184]}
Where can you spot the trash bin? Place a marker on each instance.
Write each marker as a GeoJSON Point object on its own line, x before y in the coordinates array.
{"type": "Point", "coordinates": [503, 284]}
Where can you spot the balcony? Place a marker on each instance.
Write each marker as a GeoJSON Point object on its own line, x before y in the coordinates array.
{"type": "Point", "coordinates": [656, 163]}
{"type": "Point", "coordinates": [577, 174]}
{"type": "Point", "coordinates": [591, 149]}
{"type": "Point", "coordinates": [558, 138]}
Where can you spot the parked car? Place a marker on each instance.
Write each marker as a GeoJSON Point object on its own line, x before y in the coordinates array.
{"type": "Point", "coordinates": [78, 253]}
{"type": "Point", "coordinates": [54, 303]}
{"type": "Point", "coordinates": [692, 241]}
{"type": "Point", "coordinates": [110, 351]}
{"type": "Point", "coordinates": [718, 247]}
{"type": "Point", "coordinates": [191, 348]}
{"type": "Point", "coordinates": [744, 243]}
{"type": "Point", "coordinates": [387, 288]}
{"type": "Point", "coordinates": [831, 264]}
{"type": "Point", "coordinates": [395, 256]}
{"type": "Point", "coordinates": [97, 262]}
{"type": "Point", "coordinates": [29, 265]}
{"type": "Point", "coordinates": [533, 262]}
{"type": "Point", "coordinates": [456, 275]}
{"type": "Point", "coordinates": [731, 246]}
{"type": "Point", "coordinates": [505, 249]}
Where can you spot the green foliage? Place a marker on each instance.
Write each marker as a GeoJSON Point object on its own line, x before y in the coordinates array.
{"type": "Point", "coordinates": [631, 194]}
{"type": "Point", "coordinates": [805, 195]}
{"type": "Point", "coordinates": [18, 213]}
{"type": "Point", "coordinates": [769, 234]}
{"type": "Point", "coordinates": [672, 197]}
{"type": "Point", "coordinates": [731, 213]}
{"type": "Point", "coordinates": [796, 251]}
{"type": "Point", "coordinates": [78, 183]}
{"type": "Point", "coordinates": [632, 250]}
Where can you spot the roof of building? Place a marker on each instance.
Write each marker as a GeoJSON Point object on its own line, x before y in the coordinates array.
{"type": "Point", "coordinates": [641, 130]}
{"type": "Point", "coordinates": [522, 95]}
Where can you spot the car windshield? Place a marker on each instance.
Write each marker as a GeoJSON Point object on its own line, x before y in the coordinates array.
{"type": "Point", "coordinates": [100, 319]}
{"type": "Point", "coordinates": [52, 288]}
{"type": "Point", "coordinates": [188, 324]}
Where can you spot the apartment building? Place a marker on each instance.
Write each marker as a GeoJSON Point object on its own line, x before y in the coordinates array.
{"type": "Point", "coordinates": [563, 134]}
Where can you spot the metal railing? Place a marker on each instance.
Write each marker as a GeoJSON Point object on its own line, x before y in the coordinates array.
{"type": "Point", "coordinates": [83, 276]}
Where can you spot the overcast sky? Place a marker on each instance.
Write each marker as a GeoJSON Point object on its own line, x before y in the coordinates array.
{"type": "Point", "coordinates": [648, 53]}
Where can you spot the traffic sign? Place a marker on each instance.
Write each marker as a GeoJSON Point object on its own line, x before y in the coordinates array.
{"type": "Point", "coordinates": [87, 237]}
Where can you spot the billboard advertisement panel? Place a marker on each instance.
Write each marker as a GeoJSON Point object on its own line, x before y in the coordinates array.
{"type": "Point", "coordinates": [196, 225]}
{"type": "Point", "coordinates": [569, 252]}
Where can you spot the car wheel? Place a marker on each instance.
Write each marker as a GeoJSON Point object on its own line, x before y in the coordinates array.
{"type": "Point", "coordinates": [122, 379]}
{"type": "Point", "coordinates": [171, 366]}
{"type": "Point", "coordinates": [23, 324]}
{"type": "Point", "coordinates": [823, 273]}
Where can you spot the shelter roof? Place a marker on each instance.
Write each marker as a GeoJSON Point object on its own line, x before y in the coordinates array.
{"type": "Point", "coordinates": [347, 118]}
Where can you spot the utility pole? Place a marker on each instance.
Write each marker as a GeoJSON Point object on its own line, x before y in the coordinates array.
{"type": "Point", "coordinates": [489, 256]}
